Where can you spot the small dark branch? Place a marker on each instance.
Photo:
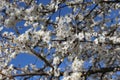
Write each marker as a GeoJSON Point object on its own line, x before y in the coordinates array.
{"type": "Point", "coordinates": [95, 71]}
{"type": "Point", "coordinates": [111, 33]}
{"type": "Point", "coordinates": [58, 40]}
{"type": "Point", "coordinates": [88, 14]}
{"type": "Point", "coordinates": [31, 74]}
{"type": "Point", "coordinates": [30, 2]}
{"type": "Point", "coordinates": [41, 57]}
{"type": "Point", "coordinates": [27, 78]}
{"type": "Point", "coordinates": [16, 30]}
{"type": "Point", "coordinates": [101, 77]}
{"type": "Point", "coordinates": [91, 11]}
{"type": "Point", "coordinates": [26, 74]}
{"type": "Point", "coordinates": [89, 41]}
{"type": "Point", "coordinates": [110, 42]}
{"type": "Point", "coordinates": [101, 70]}
{"type": "Point", "coordinates": [108, 2]}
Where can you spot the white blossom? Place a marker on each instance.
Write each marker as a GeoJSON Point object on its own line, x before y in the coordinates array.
{"type": "Point", "coordinates": [56, 60]}
{"type": "Point", "coordinates": [29, 10]}
{"type": "Point", "coordinates": [9, 22]}
{"type": "Point", "coordinates": [96, 41]}
{"type": "Point", "coordinates": [35, 25]}
{"type": "Point", "coordinates": [62, 37]}
{"type": "Point", "coordinates": [23, 37]}
{"type": "Point", "coordinates": [46, 37]}
{"type": "Point", "coordinates": [74, 76]}
{"type": "Point", "coordinates": [102, 39]}
{"type": "Point", "coordinates": [77, 64]}
{"type": "Point", "coordinates": [80, 36]}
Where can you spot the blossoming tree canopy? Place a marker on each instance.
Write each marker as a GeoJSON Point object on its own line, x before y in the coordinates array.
{"type": "Point", "coordinates": [72, 39]}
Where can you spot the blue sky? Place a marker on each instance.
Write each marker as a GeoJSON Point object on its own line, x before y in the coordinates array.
{"type": "Point", "coordinates": [24, 59]}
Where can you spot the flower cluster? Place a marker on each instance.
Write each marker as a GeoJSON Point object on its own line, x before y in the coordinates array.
{"type": "Point", "coordinates": [62, 43]}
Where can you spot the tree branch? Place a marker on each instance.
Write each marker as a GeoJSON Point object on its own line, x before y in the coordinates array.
{"type": "Point", "coordinates": [27, 74]}
{"type": "Point", "coordinates": [108, 2]}
{"type": "Point", "coordinates": [42, 58]}
{"type": "Point", "coordinates": [101, 70]}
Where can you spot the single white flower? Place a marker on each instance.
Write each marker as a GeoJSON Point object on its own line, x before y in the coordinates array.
{"type": "Point", "coordinates": [77, 64]}
{"type": "Point", "coordinates": [35, 25]}
{"type": "Point", "coordinates": [56, 60]}
{"type": "Point", "coordinates": [102, 39]}
{"type": "Point", "coordinates": [80, 36]}
{"type": "Point", "coordinates": [96, 41]}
